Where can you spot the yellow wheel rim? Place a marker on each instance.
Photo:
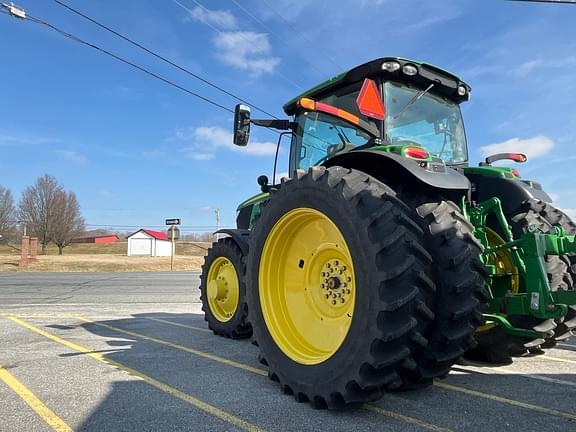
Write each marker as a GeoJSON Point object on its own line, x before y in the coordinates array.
{"type": "Point", "coordinates": [222, 289]}
{"type": "Point", "coordinates": [307, 286]}
{"type": "Point", "coordinates": [504, 264]}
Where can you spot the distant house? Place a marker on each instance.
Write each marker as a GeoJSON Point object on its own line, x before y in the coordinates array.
{"type": "Point", "coordinates": [110, 238]}
{"type": "Point", "coordinates": [145, 242]}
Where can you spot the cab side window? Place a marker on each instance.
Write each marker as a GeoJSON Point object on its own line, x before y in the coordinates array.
{"type": "Point", "coordinates": [320, 136]}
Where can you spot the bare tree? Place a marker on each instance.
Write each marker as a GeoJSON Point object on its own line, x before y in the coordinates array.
{"type": "Point", "coordinates": [68, 223]}
{"type": "Point", "coordinates": [37, 205]}
{"type": "Point", "coordinates": [7, 215]}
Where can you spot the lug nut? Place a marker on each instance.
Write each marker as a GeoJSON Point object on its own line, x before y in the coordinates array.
{"type": "Point", "coordinates": [349, 279]}
{"type": "Point", "coordinates": [347, 291]}
{"type": "Point", "coordinates": [333, 302]}
{"type": "Point", "coordinates": [344, 268]}
{"type": "Point", "coordinates": [327, 295]}
{"type": "Point", "coordinates": [342, 300]}
{"type": "Point", "coordinates": [327, 265]}
{"type": "Point", "coordinates": [336, 263]}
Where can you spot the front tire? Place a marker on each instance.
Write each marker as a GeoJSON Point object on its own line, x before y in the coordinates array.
{"type": "Point", "coordinates": [347, 352]}
{"type": "Point", "coordinates": [223, 290]}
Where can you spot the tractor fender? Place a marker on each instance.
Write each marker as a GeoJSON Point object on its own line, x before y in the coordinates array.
{"type": "Point", "coordinates": [394, 169]}
{"type": "Point", "coordinates": [240, 237]}
{"type": "Point", "coordinates": [511, 192]}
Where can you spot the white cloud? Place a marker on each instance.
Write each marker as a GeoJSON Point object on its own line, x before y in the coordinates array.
{"type": "Point", "coordinates": [533, 147]}
{"type": "Point", "coordinates": [571, 212]}
{"type": "Point", "coordinates": [221, 19]}
{"type": "Point", "coordinates": [246, 50]}
{"type": "Point", "coordinates": [205, 141]}
{"type": "Point", "coordinates": [72, 156]}
{"type": "Point", "coordinates": [528, 66]}
{"type": "Point", "coordinates": [24, 140]}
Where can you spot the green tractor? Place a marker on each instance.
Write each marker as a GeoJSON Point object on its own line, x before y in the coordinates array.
{"type": "Point", "coordinates": [385, 258]}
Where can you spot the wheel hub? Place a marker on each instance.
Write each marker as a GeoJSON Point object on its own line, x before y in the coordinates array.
{"type": "Point", "coordinates": [307, 286]}
{"type": "Point", "coordinates": [222, 289]}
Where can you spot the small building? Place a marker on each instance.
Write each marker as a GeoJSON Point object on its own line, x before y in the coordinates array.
{"type": "Point", "coordinates": [113, 238]}
{"type": "Point", "coordinates": [146, 242]}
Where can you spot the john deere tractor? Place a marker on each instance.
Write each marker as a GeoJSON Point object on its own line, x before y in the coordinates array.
{"type": "Point", "coordinates": [385, 258]}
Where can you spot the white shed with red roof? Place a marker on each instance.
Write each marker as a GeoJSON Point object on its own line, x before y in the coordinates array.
{"type": "Point", "coordinates": [146, 242]}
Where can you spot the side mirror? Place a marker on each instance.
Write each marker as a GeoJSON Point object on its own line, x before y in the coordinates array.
{"type": "Point", "coordinates": [241, 125]}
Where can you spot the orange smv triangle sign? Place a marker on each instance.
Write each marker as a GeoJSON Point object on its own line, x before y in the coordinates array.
{"type": "Point", "coordinates": [369, 100]}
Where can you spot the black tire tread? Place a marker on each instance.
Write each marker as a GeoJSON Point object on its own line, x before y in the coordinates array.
{"type": "Point", "coordinates": [459, 276]}
{"type": "Point", "coordinates": [238, 326]}
{"type": "Point", "coordinates": [376, 209]}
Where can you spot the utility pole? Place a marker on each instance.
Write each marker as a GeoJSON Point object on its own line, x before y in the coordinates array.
{"type": "Point", "coordinates": [172, 224]}
{"type": "Point", "coordinates": [217, 213]}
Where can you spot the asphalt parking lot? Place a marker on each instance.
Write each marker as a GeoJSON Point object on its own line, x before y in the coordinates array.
{"type": "Point", "coordinates": [132, 352]}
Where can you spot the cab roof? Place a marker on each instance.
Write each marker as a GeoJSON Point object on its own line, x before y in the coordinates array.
{"type": "Point", "coordinates": [446, 83]}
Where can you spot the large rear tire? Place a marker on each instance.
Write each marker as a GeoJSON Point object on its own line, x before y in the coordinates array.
{"type": "Point", "coordinates": [223, 290]}
{"type": "Point", "coordinates": [336, 345]}
{"type": "Point", "coordinates": [459, 277]}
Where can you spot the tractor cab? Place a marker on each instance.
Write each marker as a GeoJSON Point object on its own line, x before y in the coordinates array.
{"type": "Point", "coordinates": [391, 105]}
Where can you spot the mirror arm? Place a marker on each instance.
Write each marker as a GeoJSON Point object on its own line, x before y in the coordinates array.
{"type": "Point", "coordinates": [275, 124]}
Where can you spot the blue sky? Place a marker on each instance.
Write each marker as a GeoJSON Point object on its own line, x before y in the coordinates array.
{"type": "Point", "coordinates": [137, 151]}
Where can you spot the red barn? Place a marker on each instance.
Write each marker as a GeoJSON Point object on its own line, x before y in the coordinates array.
{"type": "Point", "coordinates": [113, 238]}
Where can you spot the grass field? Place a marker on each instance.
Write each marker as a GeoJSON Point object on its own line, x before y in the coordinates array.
{"type": "Point", "coordinates": [118, 248]}
{"type": "Point", "coordinates": [106, 257]}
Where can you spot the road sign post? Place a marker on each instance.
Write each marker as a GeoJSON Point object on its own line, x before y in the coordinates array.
{"type": "Point", "coordinates": [172, 223]}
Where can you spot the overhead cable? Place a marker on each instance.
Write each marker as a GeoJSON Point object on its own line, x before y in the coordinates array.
{"type": "Point", "coordinates": [164, 59]}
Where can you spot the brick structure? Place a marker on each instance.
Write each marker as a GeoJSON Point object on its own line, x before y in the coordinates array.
{"type": "Point", "coordinates": [33, 248]}
{"type": "Point", "coordinates": [25, 251]}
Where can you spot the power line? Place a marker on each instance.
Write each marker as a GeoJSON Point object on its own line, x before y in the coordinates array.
{"type": "Point", "coordinates": [164, 59]}
{"type": "Point", "coordinates": [265, 27]}
{"type": "Point", "coordinates": [241, 34]}
{"type": "Point", "coordinates": [300, 34]}
{"type": "Point", "coordinates": [128, 62]}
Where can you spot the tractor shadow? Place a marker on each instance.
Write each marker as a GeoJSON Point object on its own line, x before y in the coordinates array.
{"type": "Point", "coordinates": [169, 348]}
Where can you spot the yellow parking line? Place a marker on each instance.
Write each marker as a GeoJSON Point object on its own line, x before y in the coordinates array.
{"type": "Point", "coordinates": [223, 415]}
{"type": "Point", "coordinates": [179, 325]}
{"type": "Point", "coordinates": [34, 314]}
{"type": "Point", "coordinates": [557, 359]}
{"type": "Point", "coordinates": [178, 347]}
{"type": "Point", "coordinates": [504, 400]}
{"type": "Point", "coordinates": [36, 404]}
{"type": "Point", "coordinates": [264, 373]}
{"type": "Point", "coordinates": [261, 372]}
{"type": "Point", "coordinates": [406, 419]}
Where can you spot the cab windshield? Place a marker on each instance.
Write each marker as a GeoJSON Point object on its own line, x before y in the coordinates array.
{"type": "Point", "coordinates": [429, 121]}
